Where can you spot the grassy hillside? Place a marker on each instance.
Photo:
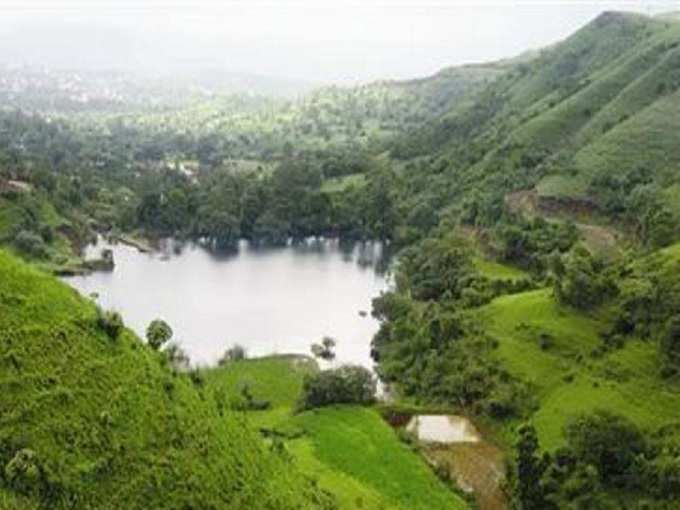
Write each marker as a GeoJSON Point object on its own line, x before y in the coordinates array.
{"type": "Point", "coordinates": [351, 451]}
{"type": "Point", "coordinates": [591, 119]}
{"type": "Point", "coordinates": [87, 421]}
{"type": "Point", "coordinates": [566, 378]}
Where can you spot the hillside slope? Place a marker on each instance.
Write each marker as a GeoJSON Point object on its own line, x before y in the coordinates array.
{"type": "Point", "coordinates": [351, 451]}
{"type": "Point", "coordinates": [591, 119]}
{"type": "Point", "coordinates": [91, 422]}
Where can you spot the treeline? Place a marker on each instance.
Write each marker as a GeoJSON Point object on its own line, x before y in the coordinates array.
{"type": "Point", "coordinates": [265, 207]}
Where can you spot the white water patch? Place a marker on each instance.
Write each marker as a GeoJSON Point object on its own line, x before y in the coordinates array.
{"type": "Point", "coordinates": [443, 429]}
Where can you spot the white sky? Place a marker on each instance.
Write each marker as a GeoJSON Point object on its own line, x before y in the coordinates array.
{"type": "Point", "coordinates": [318, 40]}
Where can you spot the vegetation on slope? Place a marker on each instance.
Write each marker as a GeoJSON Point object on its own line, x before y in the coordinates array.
{"type": "Point", "coordinates": [591, 118]}
{"type": "Point", "coordinates": [349, 450]}
{"type": "Point", "coordinates": [595, 344]}
{"type": "Point", "coordinates": [95, 421]}
{"type": "Point", "coordinates": [521, 324]}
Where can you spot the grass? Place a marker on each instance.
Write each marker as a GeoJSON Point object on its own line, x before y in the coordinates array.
{"type": "Point", "coordinates": [519, 320]}
{"type": "Point", "coordinates": [566, 378]}
{"type": "Point", "coordinates": [497, 271]}
{"type": "Point", "coordinates": [276, 379]}
{"type": "Point", "coordinates": [111, 426]}
{"type": "Point", "coordinates": [356, 442]}
{"type": "Point", "coordinates": [350, 451]}
{"type": "Point", "coordinates": [646, 140]}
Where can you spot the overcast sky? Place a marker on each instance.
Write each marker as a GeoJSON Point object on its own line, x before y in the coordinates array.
{"type": "Point", "coordinates": [312, 40]}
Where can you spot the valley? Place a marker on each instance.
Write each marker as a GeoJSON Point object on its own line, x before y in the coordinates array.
{"type": "Point", "coordinates": [459, 291]}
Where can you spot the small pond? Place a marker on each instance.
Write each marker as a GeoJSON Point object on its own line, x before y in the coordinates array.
{"type": "Point", "coordinates": [443, 429]}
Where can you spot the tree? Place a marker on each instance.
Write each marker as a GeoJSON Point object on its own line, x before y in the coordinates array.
{"type": "Point", "coordinates": [235, 353]}
{"type": "Point", "coordinates": [158, 333]}
{"type": "Point", "coordinates": [529, 491]}
{"type": "Point", "coordinates": [607, 441]}
{"type": "Point", "coordinates": [436, 269]}
{"type": "Point", "coordinates": [178, 357]}
{"type": "Point", "coordinates": [324, 350]}
{"type": "Point", "coordinates": [30, 244]}
{"type": "Point", "coordinates": [581, 280]}
{"type": "Point", "coordinates": [345, 385]}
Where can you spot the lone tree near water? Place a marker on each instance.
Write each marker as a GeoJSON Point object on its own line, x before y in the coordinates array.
{"type": "Point", "coordinates": [158, 333]}
{"type": "Point", "coordinates": [324, 350]}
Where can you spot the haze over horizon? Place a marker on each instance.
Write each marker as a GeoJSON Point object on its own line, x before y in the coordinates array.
{"type": "Point", "coordinates": [309, 41]}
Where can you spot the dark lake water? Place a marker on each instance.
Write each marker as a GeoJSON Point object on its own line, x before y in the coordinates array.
{"type": "Point", "coordinates": [268, 300]}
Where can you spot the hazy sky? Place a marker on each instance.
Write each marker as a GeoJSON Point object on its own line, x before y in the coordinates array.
{"type": "Point", "coordinates": [317, 40]}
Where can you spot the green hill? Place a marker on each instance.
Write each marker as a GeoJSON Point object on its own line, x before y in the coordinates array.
{"type": "Point", "coordinates": [87, 421]}
{"type": "Point", "coordinates": [594, 115]}
{"type": "Point", "coordinates": [566, 378]}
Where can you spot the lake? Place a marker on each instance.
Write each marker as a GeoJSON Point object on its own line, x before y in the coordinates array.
{"type": "Point", "coordinates": [274, 300]}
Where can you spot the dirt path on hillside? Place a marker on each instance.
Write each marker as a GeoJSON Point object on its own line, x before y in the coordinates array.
{"type": "Point", "coordinates": [601, 239]}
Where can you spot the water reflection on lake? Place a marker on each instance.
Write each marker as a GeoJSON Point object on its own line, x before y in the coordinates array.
{"type": "Point", "coordinates": [268, 300]}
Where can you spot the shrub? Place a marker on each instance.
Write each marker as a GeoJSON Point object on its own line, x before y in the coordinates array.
{"type": "Point", "coordinates": [23, 472]}
{"type": "Point", "coordinates": [345, 385]}
{"type": "Point", "coordinates": [248, 401]}
{"type": "Point", "coordinates": [158, 333]}
{"type": "Point", "coordinates": [110, 322]}
{"type": "Point", "coordinates": [30, 244]}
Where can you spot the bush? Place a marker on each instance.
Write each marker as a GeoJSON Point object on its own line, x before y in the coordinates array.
{"type": "Point", "coordinates": [111, 322]}
{"type": "Point", "coordinates": [158, 333]}
{"type": "Point", "coordinates": [345, 385]}
{"type": "Point", "coordinates": [248, 401]}
{"type": "Point", "coordinates": [30, 244]}
{"type": "Point", "coordinates": [23, 473]}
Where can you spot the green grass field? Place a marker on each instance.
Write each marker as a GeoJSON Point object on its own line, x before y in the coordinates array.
{"type": "Point", "coordinates": [351, 451]}
{"type": "Point", "coordinates": [497, 271]}
{"type": "Point", "coordinates": [566, 378]}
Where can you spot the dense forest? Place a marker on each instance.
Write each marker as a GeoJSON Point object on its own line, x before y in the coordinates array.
{"type": "Point", "coordinates": [533, 206]}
